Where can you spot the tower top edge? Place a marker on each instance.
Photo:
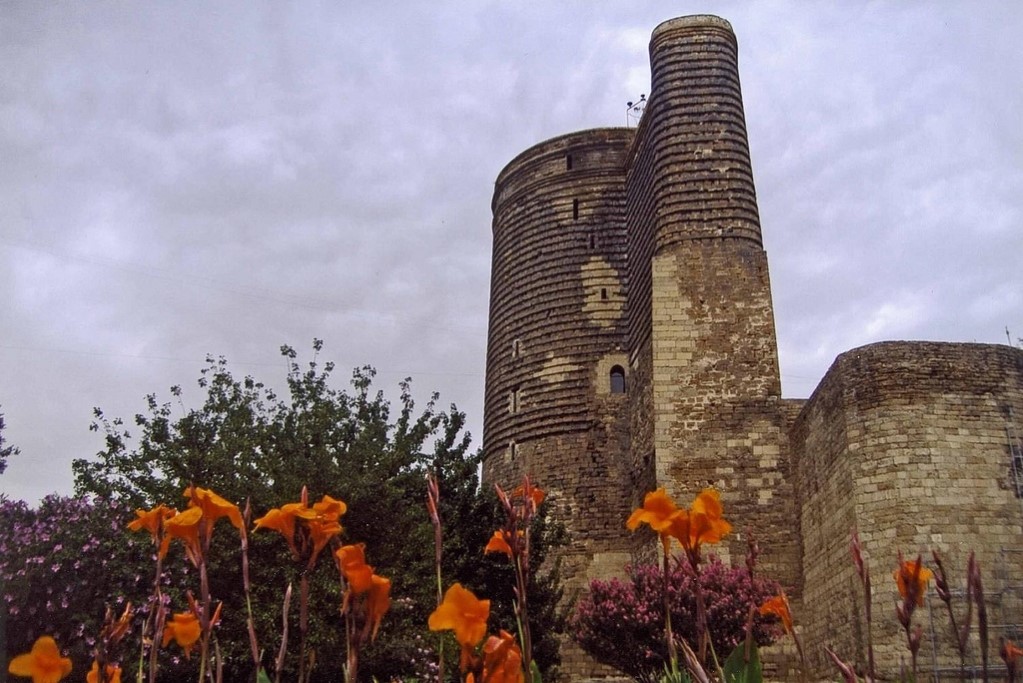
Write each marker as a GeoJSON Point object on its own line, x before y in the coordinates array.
{"type": "Point", "coordinates": [607, 135]}
{"type": "Point", "coordinates": [692, 21]}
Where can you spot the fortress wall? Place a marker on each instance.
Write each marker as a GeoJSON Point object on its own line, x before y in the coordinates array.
{"type": "Point", "coordinates": [831, 610]}
{"type": "Point", "coordinates": [909, 440]}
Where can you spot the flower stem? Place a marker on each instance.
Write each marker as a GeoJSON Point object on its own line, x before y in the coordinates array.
{"type": "Point", "coordinates": [672, 652]}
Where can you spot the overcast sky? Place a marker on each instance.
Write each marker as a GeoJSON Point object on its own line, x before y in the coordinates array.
{"type": "Point", "coordinates": [182, 179]}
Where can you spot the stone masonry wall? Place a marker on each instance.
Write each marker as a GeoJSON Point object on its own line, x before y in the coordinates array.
{"type": "Point", "coordinates": [907, 443]}
{"type": "Point", "coordinates": [557, 330]}
{"type": "Point", "coordinates": [715, 388]}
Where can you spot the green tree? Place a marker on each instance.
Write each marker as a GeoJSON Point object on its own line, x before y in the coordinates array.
{"type": "Point", "coordinates": [245, 442]}
{"type": "Point", "coordinates": [5, 451]}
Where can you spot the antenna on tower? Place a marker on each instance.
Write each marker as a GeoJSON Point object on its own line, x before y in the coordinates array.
{"type": "Point", "coordinates": [634, 111]}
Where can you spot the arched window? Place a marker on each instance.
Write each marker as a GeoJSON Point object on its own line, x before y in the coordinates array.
{"type": "Point", "coordinates": [618, 380]}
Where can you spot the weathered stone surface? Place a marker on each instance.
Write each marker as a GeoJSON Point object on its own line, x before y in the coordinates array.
{"type": "Point", "coordinates": [640, 251]}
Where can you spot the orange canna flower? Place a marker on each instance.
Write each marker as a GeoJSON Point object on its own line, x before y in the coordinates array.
{"type": "Point", "coordinates": [701, 523]}
{"type": "Point", "coordinates": [283, 520]}
{"type": "Point", "coordinates": [378, 601]}
{"type": "Point", "coordinates": [184, 629]}
{"type": "Point", "coordinates": [352, 561]}
{"type": "Point", "coordinates": [43, 664]}
{"type": "Point", "coordinates": [112, 670]}
{"type": "Point", "coordinates": [499, 543]}
{"type": "Point", "coordinates": [463, 613]}
{"type": "Point", "coordinates": [321, 521]}
{"type": "Point", "coordinates": [535, 493]}
{"type": "Point", "coordinates": [779, 607]}
{"type": "Point", "coordinates": [213, 506]}
{"type": "Point", "coordinates": [153, 521]}
{"type": "Point", "coordinates": [321, 531]}
{"type": "Point", "coordinates": [502, 659]}
{"type": "Point", "coordinates": [185, 526]}
{"type": "Point", "coordinates": [330, 508]}
{"type": "Point", "coordinates": [906, 574]}
{"type": "Point", "coordinates": [658, 511]}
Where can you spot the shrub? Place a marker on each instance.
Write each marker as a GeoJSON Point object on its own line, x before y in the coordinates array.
{"type": "Point", "coordinates": [621, 622]}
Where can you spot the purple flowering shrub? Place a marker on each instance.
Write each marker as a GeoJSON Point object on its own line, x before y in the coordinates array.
{"type": "Point", "coordinates": [61, 564]}
{"type": "Point", "coordinates": [621, 621]}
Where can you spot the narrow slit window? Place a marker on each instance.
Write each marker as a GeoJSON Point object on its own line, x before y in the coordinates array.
{"type": "Point", "coordinates": [516, 348]}
{"type": "Point", "coordinates": [618, 380]}
{"type": "Point", "coordinates": [575, 209]}
{"type": "Point", "coordinates": [568, 162]}
{"type": "Point", "coordinates": [603, 293]}
{"type": "Point", "coordinates": [593, 242]}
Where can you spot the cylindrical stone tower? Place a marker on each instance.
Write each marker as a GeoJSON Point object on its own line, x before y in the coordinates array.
{"type": "Point", "coordinates": [557, 333]}
{"type": "Point", "coordinates": [707, 410]}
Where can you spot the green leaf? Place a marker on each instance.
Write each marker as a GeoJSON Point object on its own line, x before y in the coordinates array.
{"type": "Point", "coordinates": [262, 677]}
{"type": "Point", "coordinates": [535, 671]}
{"type": "Point", "coordinates": [738, 670]}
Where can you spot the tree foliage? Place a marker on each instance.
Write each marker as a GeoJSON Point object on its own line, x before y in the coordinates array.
{"type": "Point", "coordinates": [247, 443]}
{"type": "Point", "coordinates": [5, 451]}
{"type": "Point", "coordinates": [61, 563]}
{"type": "Point", "coordinates": [621, 622]}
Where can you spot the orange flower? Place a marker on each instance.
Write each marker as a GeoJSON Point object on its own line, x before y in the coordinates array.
{"type": "Point", "coordinates": [1011, 653]}
{"type": "Point", "coordinates": [378, 601]}
{"type": "Point", "coordinates": [502, 660]}
{"type": "Point", "coordinates": [908, 573]}
{"type": "Point", "coordinates": [321, 522]}
{"type": "Point", "coordinates": [535, 493]}
{"type": "Point", "coordinates": [701, 523]}
{"type": "Point", "coordinates": [213, 506]}
{"type": "Point", "coordinates": [153, 521]}
{"type": "Point", "coordinates": [657, 511]}
{"type": "Point", "coordinates": [352, 561]}
{"type": "Point", "coordinates": [779, 607]}
{"type": "Point", "coordinates": [185, 526]}
{"type": "Point", "coordinates": [283, 520]}
{"type": "Point", "coordinates": [330, 508]}
{"type": "Point", "coordinates": [321, 531]}
{"type": "Point", "coordinates": [43, 664]}
{"type": "Point", "coordinates": [463, 613]}
{"type": "Point", "coordinates": [112, 670]}
{"type": "Point", "coordinates": [184, 629]}
{"type": "Point", "coordinates": [499, 543]}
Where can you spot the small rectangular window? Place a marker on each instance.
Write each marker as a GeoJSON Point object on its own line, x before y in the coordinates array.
{"type": "Point", "coordinates": [568, 162]}
{"type": "Point", "coordinates": [575, 209]}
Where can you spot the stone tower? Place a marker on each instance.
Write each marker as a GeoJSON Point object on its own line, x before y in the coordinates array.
{"type": "Point", "coordinates": [632, 337]}
{"type": "Point", "coordinates": [557, 329]}
{"type": "Point", "coordinates": [632, 345]}
{"type": "Point", "coordinates": [707, 406]}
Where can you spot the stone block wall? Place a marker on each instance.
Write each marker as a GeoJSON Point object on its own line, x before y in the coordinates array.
{"type": "Point", "coordinates": [908, 444]}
